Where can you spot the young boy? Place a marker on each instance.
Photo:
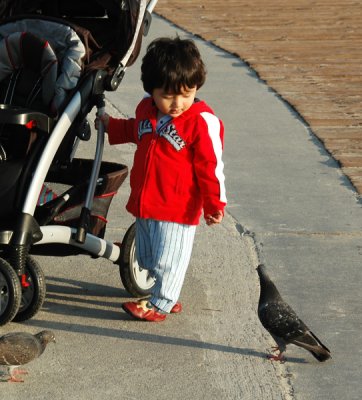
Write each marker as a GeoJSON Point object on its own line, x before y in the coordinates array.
{"type": "Point", "coordinates": [177, 170]}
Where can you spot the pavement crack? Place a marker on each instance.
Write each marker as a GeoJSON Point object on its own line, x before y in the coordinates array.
{"type": "Point", "coordinates": [242, 230]}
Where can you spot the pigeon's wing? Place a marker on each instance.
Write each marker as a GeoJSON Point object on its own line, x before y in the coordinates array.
{"type": "Point", "coordinates": [18, 348]}
{"type": "Point", "coordinates": [281, 320]}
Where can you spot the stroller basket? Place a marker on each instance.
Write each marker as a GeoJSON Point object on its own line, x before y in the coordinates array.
{"type": "Point", "coordinates": [67, 187]}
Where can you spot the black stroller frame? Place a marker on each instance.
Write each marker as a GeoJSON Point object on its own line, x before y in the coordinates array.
{"type": "Point", "coordinates": [54, 128]}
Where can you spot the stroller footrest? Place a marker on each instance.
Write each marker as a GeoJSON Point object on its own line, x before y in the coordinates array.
{"type": "Point", "coordinates": [23, 116]}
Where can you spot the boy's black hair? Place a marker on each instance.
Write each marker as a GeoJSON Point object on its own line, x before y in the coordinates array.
{"type": "Point", "coordinates": [172, 64]}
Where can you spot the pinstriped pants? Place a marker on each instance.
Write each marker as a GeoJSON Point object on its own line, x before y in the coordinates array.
{"type": "Point", "coordinates": [164, 249]}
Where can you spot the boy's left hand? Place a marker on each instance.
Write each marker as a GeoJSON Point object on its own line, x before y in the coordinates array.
{"type": "Point", "coordinates": [214, 218]}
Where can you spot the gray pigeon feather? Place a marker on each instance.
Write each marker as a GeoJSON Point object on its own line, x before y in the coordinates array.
{"type": "Point", "coordinates": [19, 348]}
{"type": "Point", "coordinates": [284, 325]}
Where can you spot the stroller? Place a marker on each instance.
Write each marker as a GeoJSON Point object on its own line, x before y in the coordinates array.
{"type": "Point", "coordinates": [57, 58]}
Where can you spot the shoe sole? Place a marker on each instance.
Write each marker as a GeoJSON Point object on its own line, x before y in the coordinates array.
{"type": "Point", "coordinates": [140, 319]}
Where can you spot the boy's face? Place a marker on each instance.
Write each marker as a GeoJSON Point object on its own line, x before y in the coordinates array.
{"type": "Point", "coordinates": [174, 104]}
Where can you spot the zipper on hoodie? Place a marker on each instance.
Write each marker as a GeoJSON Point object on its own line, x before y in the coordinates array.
{"type": "Point", "coordinates": [157, 126]}
{"type": "Point", "coordinates": [149, 155]}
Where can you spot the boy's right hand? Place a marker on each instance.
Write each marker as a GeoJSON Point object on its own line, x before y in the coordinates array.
{"type": "Point", "coordinates": [105, 119]}
{"type": "Point", "coordinates": [214, 218]}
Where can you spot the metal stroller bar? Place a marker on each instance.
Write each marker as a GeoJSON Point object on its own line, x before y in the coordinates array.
{"type": "Point", "coordinates": [60, 129]}
{"type": "Point", "coordinates": [93, 244]}
{"type": "Point", "coordinates": [86, 210]}
{"type": "Point", "coordinates": [151, 6]}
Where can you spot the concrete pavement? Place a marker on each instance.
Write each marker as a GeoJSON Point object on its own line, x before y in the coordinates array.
{"type": "Point", "coordinates": [289, 207]}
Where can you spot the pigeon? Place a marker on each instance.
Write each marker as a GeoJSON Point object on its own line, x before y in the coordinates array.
{"type": "Point", "coordinates": [19, 348]}
{"type": "Point", "coordinates": [284, 325]}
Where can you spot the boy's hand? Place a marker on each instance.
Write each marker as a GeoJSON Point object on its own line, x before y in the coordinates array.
{"type": "Point", "coordinates": [214, 218]}
{"type": "Point", "coordinates": [105, 119]}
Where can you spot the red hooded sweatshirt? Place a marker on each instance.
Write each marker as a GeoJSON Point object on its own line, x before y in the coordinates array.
{"type": "Point", "coordinates": [177, 169]}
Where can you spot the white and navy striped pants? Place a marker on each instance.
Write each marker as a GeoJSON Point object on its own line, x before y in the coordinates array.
{"type": "Point", "coordinates": [164, 249]}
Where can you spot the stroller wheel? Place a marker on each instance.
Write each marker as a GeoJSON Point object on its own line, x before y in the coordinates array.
{"type": "Point", "coordinates": [136, 280]}
{"type": "Point", "coordinates": [10, 292]}
{"type": "Point", "coordinates": [33, 291]}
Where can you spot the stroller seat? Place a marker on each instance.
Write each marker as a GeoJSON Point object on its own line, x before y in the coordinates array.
{"type": "Point", "coordinates": [68, 51]}
{"type": "Point", "coordinates": [28, 71]}
{"type": "Point", "coordinates": [32, 78]}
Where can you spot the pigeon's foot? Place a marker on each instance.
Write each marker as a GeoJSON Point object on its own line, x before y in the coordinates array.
{"type": "Point", "coordinates": [15, 372]}
{"type": "Point", "coordinates": [20, 372]}
{"type": "Point", "coordinates": [15, 379]}
{"type": "Point", "coordinates": [276, 357]}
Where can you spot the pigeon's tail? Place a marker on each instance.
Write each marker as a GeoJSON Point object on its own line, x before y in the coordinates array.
{"type": "Point", "coordinates": [323, 353]}
{"type": "Point", "coordinates": [317, 349]}
{"type": "Point", "coordinates": [322, 356]}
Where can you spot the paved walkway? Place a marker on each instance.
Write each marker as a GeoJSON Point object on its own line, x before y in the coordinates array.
{"type": "Point", "coordinates": [310, 53]}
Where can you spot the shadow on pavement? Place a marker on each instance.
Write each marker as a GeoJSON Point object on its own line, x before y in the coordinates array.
{"type": "Point", "coordinates": [150, 338]}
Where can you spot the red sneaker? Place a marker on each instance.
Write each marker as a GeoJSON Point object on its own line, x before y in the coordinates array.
{"type": "Point", "coordinates": [143, 310]}
{"type": "Point", "coordinates": [177, 308]}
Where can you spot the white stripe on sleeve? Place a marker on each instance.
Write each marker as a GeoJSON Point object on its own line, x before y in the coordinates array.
{"type": "Point", "coordinates": [213, 124]}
